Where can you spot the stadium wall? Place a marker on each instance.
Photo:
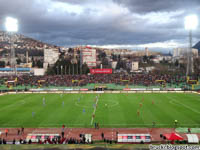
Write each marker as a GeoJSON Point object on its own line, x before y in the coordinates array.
{"type": "Point", "coordinates": [95, 92]}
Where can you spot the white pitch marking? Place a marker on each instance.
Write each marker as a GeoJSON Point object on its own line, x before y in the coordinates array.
{"type": "Point", "coordinates": [172, 99]}
{"type": "Point", "coordinates": [94, 111]}
{"type": "Point", "coordinates": [82, 105]}
{"type": "Point", "coordinates": [82, 125]}
{"type": "Point", "coordinates": [18, 103]}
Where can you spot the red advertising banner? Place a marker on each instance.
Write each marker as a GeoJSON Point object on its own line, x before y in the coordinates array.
{"type": "Point", "coordinates": [126, 89]}
{"type": "Point", "coordinates": [83, 89]}
{"type": "Point", "coordinates": [101, 71]}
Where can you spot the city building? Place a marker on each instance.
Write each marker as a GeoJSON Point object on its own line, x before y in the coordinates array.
{"type": "Point", "coordinates": [134, 66]}
{"type": "Point", "coordinates": [146, 51]}
{"type": "Point", "coordinates": [88, 56]}
{"type": "Point", "coordinates": [50, 57]}
{"type": "Point", "coordinates": [114, 64]}
{"type": "Point", "coordinates": [181, 52]}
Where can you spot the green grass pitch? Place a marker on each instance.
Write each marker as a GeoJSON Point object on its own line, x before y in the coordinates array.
{"type": "Point", "coordinates": [113, 110]}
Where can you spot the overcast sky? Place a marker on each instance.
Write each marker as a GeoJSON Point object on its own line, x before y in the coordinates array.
{"type": "Point", "coordinates": [157, 24]}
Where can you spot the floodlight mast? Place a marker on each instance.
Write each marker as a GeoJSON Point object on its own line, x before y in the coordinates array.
{"type": "Point", "coordinates": [191, 23]}
{"type": "Point", "coordinates": [11, 25]}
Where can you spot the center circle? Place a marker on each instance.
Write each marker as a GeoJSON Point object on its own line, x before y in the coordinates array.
{"type": "Point", "coordinates": [108, 104]}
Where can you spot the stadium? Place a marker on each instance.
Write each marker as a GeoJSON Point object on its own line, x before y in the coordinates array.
{"type": "Point", "coordinates": [93, 112]}
{"type": "Point", "coordinates": [99, 74]}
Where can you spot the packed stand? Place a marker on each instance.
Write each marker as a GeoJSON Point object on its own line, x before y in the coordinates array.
{"type": "Point", "coordinates": [81, 80]}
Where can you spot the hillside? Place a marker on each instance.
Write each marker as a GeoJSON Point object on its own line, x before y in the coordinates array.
{"type": "Point", "coordinates": [22, 44]}
{"type": "Point", "coordinates": [197, 46]}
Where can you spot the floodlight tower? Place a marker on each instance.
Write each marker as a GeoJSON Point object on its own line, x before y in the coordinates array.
{"type": "Point", "coordinates": [11, 25]}
{"type": "Point", "coordinates": [191, 23]}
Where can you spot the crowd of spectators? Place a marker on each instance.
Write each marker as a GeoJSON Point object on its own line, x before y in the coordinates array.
{"type": "Point", "coordinates": [81, 80]}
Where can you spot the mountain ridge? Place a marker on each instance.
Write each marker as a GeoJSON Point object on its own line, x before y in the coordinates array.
{"type": "Point", "coordinates": [197, 46]}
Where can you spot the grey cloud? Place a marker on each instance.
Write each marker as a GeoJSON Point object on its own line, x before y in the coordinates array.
{"type": "Point", "coordinates": [74, 1]}
{"type": "Point", "coordinates": [89, 28]}
{"type": "Point", "coordinates": [146, 6]}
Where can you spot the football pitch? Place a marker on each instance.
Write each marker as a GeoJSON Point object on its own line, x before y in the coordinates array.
{"type": "Point", "coordinates": [109, 110]}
